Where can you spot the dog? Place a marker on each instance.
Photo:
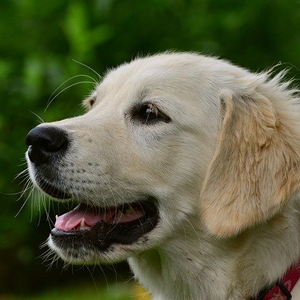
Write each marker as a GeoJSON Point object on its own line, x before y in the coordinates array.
{"type": "Point", "coordinates": [185, 165]}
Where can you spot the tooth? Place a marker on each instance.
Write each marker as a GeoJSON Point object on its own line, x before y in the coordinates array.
{"type": "Point", "coordinates": [82, 223]}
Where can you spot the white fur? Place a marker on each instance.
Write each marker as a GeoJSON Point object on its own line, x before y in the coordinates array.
{"type": "Point", "coordinates": [202, 248]}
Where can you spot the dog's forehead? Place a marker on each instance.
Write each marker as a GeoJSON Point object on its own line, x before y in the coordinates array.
{"type": "Point", "coordinates": [160, 72]}
{"type": "Point", "coordinates": [179, 83]}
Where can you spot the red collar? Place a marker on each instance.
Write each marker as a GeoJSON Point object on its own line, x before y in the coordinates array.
{"type": "Point", "coordinates": [283, 287]}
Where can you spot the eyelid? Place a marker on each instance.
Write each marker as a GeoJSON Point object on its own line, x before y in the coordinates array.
{"type": "Point", "coordinates": [156, 103]}
{"type": "Point", "coordinates": [139, 114]}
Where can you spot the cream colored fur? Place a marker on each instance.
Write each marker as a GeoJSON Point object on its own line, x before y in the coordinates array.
{"type": "Point", "coordinates": [225, 172]}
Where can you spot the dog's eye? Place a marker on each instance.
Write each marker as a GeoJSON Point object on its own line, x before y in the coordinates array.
{"type": "Point", "coordinates": [92, 101]}
{"type": "Point", "coordinates": [89, 102]}
{"type": "Point", "coordinates": [148, 113]}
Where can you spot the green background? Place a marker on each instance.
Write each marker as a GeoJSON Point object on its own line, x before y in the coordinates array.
{"type": "Point", "coordinates": [39, 41]}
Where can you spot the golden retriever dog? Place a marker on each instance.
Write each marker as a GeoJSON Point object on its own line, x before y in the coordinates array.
{"type": "Point", "coordinates": [186, 165]}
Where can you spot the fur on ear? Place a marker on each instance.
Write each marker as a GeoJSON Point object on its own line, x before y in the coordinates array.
{"type": "Point", "coordinates": [255, 168]}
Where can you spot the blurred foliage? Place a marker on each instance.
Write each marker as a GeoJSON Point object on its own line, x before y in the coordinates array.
{"type": "Point", "coordinates": [122, 291]}
{"type": "Point", "coordinates": [39, 43]}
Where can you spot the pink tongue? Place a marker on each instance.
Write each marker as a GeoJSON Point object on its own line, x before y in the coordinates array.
{"type": "Point", "coordinates": [78, 217]}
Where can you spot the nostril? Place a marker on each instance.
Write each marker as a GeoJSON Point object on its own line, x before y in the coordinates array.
{"type": "Point", "coordinates": [43, 141]}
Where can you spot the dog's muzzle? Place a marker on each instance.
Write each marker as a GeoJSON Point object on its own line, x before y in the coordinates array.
{"type": "Point", "coordinates": [90, 226]}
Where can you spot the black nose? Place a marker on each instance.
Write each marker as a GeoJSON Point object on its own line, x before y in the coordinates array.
{"type": "Point", "coordinates": [44, 142]}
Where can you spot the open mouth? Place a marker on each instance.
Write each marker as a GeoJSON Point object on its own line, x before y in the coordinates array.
{"type": "Point", "coordinates": [101, 227]}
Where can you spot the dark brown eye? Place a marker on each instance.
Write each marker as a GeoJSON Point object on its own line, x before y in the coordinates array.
{"type": "Point", "coordinates": [92, 101]}
{"type": "Point", "coordinates": [89, 101]}
{"type": "Point", "coordinates": [148, 114]}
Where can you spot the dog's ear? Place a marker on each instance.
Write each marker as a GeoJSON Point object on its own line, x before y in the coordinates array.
{"type": "Point", "coordinates": [255, 169]}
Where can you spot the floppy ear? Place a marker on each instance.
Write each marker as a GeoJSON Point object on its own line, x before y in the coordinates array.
{"type": "Point", "coordinates": [254, 170]}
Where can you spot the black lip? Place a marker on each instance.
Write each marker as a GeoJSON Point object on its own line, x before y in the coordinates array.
{"type": "Point", "coordinates": [102, 235]}
{"type": "Point", "coordinates": [52, 190]}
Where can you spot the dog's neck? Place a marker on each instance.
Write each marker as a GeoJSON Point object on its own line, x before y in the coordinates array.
{"type": "Point", "coordinates": [195, 265]}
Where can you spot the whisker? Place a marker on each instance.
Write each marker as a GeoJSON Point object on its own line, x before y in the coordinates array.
{"type": "Point", "coordinates": [27, 186]}
{"type": "Point", "coordinates": [66, 88]}
{"type": "Point", "coordinates": [194, 229]}
{"type": "Point", "coordinates": [40, 118]}
{"type": "Point", "coordinates": [93, 279]}
{"type": "Point", "coordinates": [84, 65]}
{"type": "Point", "coordinates": [22, 173]}
{"type": "Point", "coordinates": [105, 277]}
{"type": "Point", "coordinates": [48, 255]}
{"type": "Point", "coordinates": [23, 205]}
{"type": "Point", "coordinates": [47, 211]}
{"type": "Point", "coordinates": [24, 163]}
{"type": "Point", "coordinates": [25, 180]}
{"type": "Point", "coordinates": [73, 77]}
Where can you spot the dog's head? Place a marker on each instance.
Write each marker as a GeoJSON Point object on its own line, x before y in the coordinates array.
{"type": "Point", "coordinates": [165, 138]}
